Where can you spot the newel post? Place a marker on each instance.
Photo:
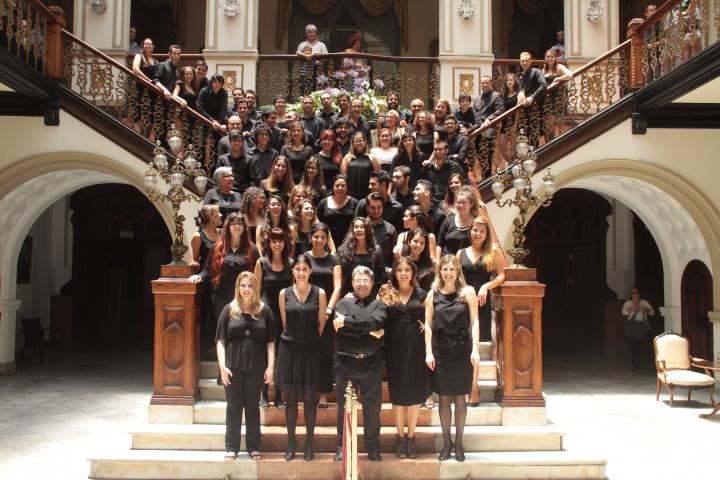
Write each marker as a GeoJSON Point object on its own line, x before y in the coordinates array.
{"type": "Point", "coordinates": [175, 350]}
{"type": "Point", "coordinates": [55, 67]}
{"type": "Point", "coordinates": [637, 79]}
{"type": "Point", "coordinates": [518, 309]}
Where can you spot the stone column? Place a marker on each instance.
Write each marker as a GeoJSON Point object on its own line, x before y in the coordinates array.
{"type": "Point", "coordinates": [518, 309]}
{"type": "Point", "coordinates": [8, 311]}
{"type": "Point", "coordinates": [585, 40]}
{"type": "Point", "coordinates": [107, 31]}
{"type": "Point", "coordinates": [231, 43]}
{"type": "Point", "coordinates": [715, 319]}
{"type": "Point", "coordinates": [465, 49]}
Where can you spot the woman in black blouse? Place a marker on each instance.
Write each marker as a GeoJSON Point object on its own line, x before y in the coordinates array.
{"type": "Point", "coordinates": [201, 244]}
{"type": "Point", "coordinates": [246, 356]}
{"type": "Point", "coordinates": [417, 248]}
{"type": "Point", "coordinates": [276, 216]}
{"type": "Point", "coordinates": [359, 248]}
{"type": "Point", "coordinates": [280, 180]}
{"type": "Point", "coordinates": [303, 312]}
{"type": "Point", "coordinates": [232, 254]}
{"type": "Point", "coordinates": [305, 217]}
{"type": "Point", "coordinates": [454, 233]}
{"type": "Point", "coordinates": [410, 155]}
{"type": "Point", "coordinates": [296, 149]}
{"type": "Point", "coordinates": [337, 210]}
{"type": "Point", "coordinates": [329, 157]}
{"type": "Point", "coordinates": [313, 181]}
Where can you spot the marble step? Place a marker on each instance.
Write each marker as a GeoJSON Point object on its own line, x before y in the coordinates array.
{"type": "Point", "coordinates": [203, 465]}
{"type": "Point", "coordinates": [427, 439]}
{"type": "Point", "coordinates": [213, 412]}
{"type": "Point", "coordinates": [209, 369]}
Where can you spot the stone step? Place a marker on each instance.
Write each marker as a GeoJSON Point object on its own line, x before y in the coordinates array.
{"type": "Point", "coordinates": [209, 369]}
{"type": "Point", "coordinates": [274, 439]}
{"type": "Point", "coordinates": [201, 465]}
{"type": "Point", "coordinates": [213, 412]}
{"type": "Point", "coordinates": [210, 390]}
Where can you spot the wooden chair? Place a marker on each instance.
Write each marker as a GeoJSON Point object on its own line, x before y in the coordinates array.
{"type": "Point", "coordinates": [673, 362]}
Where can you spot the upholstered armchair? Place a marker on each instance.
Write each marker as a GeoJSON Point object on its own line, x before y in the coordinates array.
{"type": "Point", "coordinates": [672, 361]}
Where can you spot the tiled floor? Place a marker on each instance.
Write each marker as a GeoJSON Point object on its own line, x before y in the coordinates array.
{"type": "Point", "coordinates": [54, 415]}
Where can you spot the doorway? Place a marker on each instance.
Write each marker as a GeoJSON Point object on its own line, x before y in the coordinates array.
{"type": "Point", "coordinates": [526, 26]}
{"type": "Point", "coordinates": [696, 299]}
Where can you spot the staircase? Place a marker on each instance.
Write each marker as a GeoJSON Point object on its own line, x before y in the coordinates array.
{"type": "Point", "coordinates": [496, 447]}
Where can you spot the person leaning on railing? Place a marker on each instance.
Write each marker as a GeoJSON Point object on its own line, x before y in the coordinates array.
{"type": "Point", "coordinates": [488, 106]}
{"type": "Point", "coordinates": [144, 66]}
{"type": "Point", "coordinates": [212, 103]}
{"type": "Point", "coordinates": [165, 76]}
{"type": "Point", "coordinates": [555, 73]}
{"type": "Point", "coordinates": [532, 96]}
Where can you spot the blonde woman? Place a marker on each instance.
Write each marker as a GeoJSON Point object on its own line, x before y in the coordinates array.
{"type": "Point", "coordinates": [452, 335]}
{"type": "Point", "coordinates": [246, 356]}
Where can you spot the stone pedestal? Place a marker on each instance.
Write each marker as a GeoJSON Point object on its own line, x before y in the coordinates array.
{"type": "Point", "coordinates": [518, 308]}
{"type": "Point", "coordinates": [177, 304]}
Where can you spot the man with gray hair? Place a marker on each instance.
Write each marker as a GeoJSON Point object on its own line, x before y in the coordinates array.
{"type": "Point", "coordinates": [223, 195]}
{"type": "Point", "coordinates": [359, 323]}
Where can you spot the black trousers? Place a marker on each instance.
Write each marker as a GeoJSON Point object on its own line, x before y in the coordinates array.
{"type": "Point", "coordinates": [365, 375]}
{"type": "Point", "coordinates": [638, 353]}
{"type": "Point", "coordinates": [243, 393]}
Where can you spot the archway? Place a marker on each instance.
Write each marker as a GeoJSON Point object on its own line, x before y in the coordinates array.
{"type": "Point", "coordinates": [697, 300]}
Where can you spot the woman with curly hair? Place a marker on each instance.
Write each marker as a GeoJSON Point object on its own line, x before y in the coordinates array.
{"type": "Point", "coordinates": [425, 134]}
{"type": "Point", "coordinates": [452, 336]}
{"type": "Point", "coordinates": [232, 254]}
{"type": "Point", "coordinates": [410, 155]}
{"type": "Point", "coordinates": [455, 182]}
{"type": "Point", "coordinates": [408, 379]}
{"type": "Point", "coordinates": [276, 216]}
{"type": "Point", "coordinates": [359, 248]}
{"type": "Point", "coordinates": [280, 179]}
{"type": "Point", "coordinates": [312, 180]}
{"type": "Point", "coordinates": [252, 206]}
{"type": "Point", "coordinates": [329, 157]}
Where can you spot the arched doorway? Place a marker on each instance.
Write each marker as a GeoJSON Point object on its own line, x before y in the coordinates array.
{"type": "Point", "coordinates": [696, 302]}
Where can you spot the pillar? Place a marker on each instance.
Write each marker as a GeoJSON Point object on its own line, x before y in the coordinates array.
{"type": "Point", "coordinates": [231, 43]}
{"type": "Point", "coordinates": [518, 310]}
{"type": "Point", "coordinates": [107, 31]}
{"type": "Point", "coordinates": [585, 40]}
{"type": "Point", "coordinates": [715, 319]}
{"type": "Point", "coordinates": [8, 313]}
{"type": "Point", "coordinates": [465, 48]}
{"type": "Point", "coordinates": [175, 349]}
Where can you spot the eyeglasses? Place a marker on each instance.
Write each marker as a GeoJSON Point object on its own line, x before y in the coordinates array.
{"type": "Point", "coordinates": [361, 281]}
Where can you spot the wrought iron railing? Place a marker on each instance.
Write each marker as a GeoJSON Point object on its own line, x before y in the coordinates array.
{"type": "Point", "coordinates": [27, 28]}
{"type": "Point", "coordinates": [412, 77]}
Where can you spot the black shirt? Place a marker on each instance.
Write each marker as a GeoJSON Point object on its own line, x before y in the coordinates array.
{"type": "Point", "coordinates": [405, 201]}
{"type": "Point", "coordinates": [213, 105]}
{"type": "Point", "coordinates": [260, 162]}
{"type": "Point", "coordinates": [467, 119]}
{"type": "Point", "coordinates": [166, 75]}
{"type": "Point", "coordinates": [439, 177]}
{"type": "Point", "coordinates": [246, 339]}
{"type": "Point", "coordinates": [240, 169]}
{"type": "Point", "coordinates": [392, 211]}
{"type": "Point", "coordinates": [228, 203]}
{"type": "Point", "coordinates": [328, 118]}
{"type": "Point", "coordinates": [234, 263]}
{"type": "Point", "coordinates": [385, 236]}
{"type": "Point", "coordinates": [361, 318]}
{"type": "Point", "coordinates": [362, 126]}
{"type": "Point", "coordinates": [313, 125]}
{"type": "Point", "coordinates": [458, 145]}
{"type": "Point", "coordinates": [533, 84]}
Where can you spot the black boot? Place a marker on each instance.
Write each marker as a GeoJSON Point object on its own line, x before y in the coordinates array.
{"type": "Point", "coordinates": [292, 445]}
{"type": "Point", "coordinates": [264, 395]}
{"type": "Point", "coordinates": [401, 447]}
{"type": "Point", "coordinates": [411, 453]}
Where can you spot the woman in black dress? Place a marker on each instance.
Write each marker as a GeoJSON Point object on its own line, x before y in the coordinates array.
{"type": "Point", "coordinates": [252, 206]}
{"type": "Point", "coordinates": [359, 248]}
{"type": "Point", "coordinates": [326, 274]}
{"type": "Point", "coordinates": [425, 134]}
{"type": "Point", "coordinates": [297, 150]}
{"type": "Point", "coordinates": [455, 182]}
{"type": "Point", "coordinates": [482, 266]}
{"type": "Point", "coordinates": [305, 217]}
{"type": "Point", "coordinates": [303, 312]}
{"type": "Point", "coordinates": [313, 181]}
{"type": "Point", "coordinates": [410, 155]}
{"type": "Point", "coordinates": [274, 272]}
{"type": "Point", "coordinates": [329, 157]}
{"type": "Point", "coordinates": [246, 356]}
{"type": "Point", "coordinates": [276, 216]}
{"type": "Point", "coordinates": [200, 245]}
{"type": "Point", "coordinates": [454, 233]}
{"type": "Point", "coordinates": [232, 254]}
{"type": "Point", "coordinates": [451, 344]}
{"type": "Point", "coordinates": [417, 249]}
{"type": "Point", "coordinates": [408, 379]}
{"type": "Point", "coordinates": [357, 166]}
{"type": "Point", "coordinates": [506, 138]}
{"type": "Point", "coordinates": [337, 210]}
{"type": "Point", "coordinates": [144, 66]}
{"type": "Point", "coordinates": [184, 89]}
{"type": "Point", "coordinates": [415, 217]}
{"type": "Point", "coordinates": [280, 180]}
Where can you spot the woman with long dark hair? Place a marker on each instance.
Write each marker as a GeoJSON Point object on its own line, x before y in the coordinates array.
{"type": "Point", "coordinates": [246, 357]}
{"type": "Point", "coordinates": [144, 66]}
{"type": "Point", "coordinates": [303, 312]}
{"type": "Point", "coordinates": [452, 335]}
{"type": "Point", "coordinates": [338, 209]}
{"type": "Point", "coordinates": [305, 217]}
{"type": "Point", "coordinates": [280, 179]}
{"type": "Point", "coordinates": [482, 267]}
{"type": "Point", "coordinates": [276, 216]}
{"type": "Point", "coordinates": [357, 166]}
{"type": "Point", "coordinates": [232, 254]}
{"type": "Point", "coordinates": [415, 217]}
{"type": "Point", "coordinates": [506, 138]}
{"type": "Point", "coordinates": [312, 180]}
{"type": "Point", "coordinates": [408, 379]}
{"type": "Point", "coordinates": [329, 157]}
{"type": "Point", "coordinates": [455, 183]}
{"type": "Point", "coordinates": [273, 272]}
{"type": "Point", "coordinates": [359, 248]}
{"type": "Point", "coordinates": [425, 134]}
{"type": "Point", "coordinates": [454, 233]}
{"type": "Point", "coordinates": [555, 73]}
{"type": "Point", "coordinates": [296, 149]}
{"type": "Point", "coordinates": [417, 248]}
{"type": "Point", "coordinates": [410, 155]}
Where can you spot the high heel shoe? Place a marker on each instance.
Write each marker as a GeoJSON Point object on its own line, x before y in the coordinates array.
{"type": "Point", "coordinates": [446, 455]}
{"type": "Point", "coordinates": [401, 447]}
{"type": "Point", "coordinates": [411, 452]}
{"type": "Point", "coordinates": [290, 452]}
{"type": "Point", "coordinates": [309, 455]}
{"type": "Point", "coordinates": [460, 457]}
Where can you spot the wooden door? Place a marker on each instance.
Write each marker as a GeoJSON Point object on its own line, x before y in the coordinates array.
{"type": "Point", "coordinates": [696, 301]}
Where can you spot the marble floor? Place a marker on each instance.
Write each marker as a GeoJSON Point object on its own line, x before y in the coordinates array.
{"type": "Point", "coordinates": [53, 415]}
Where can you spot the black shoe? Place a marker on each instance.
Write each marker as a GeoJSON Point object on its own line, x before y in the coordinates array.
{"type": "Point", "coordinates": [309, 455]}
{"type": "Point", "coordinates": [338, 455]}
{"type": "Point", "coordinates": [264, 396]}
{"type": "Point", "coordinates": [264, 403]}
{"type": "Point", "coordinates": [374, 457]}
{"type": "Point", "coordinates": [411, 453]}
{"type": "Point", "coordinates": [460, 457]}
{"type": "Point", "coordinates": [279, 404]}
{"type": "Point", "coordinates": [401, 447]}
{"type": "Point", "coordinates": [445, 454]}
{"type": "Point", "coordinates": [290, 452]}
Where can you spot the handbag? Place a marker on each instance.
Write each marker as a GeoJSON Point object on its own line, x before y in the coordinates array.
{"type": "Point", "coordinates": [636, 330]}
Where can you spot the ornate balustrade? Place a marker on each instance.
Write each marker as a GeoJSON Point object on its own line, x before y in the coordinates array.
{"type": "Point", "coordinates": [412, 77]}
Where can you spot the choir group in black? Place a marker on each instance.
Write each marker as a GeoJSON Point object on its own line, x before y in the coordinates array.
{"type": "Point", "coordinates": [320, 267]}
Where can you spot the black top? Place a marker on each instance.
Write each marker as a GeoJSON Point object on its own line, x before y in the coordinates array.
{"type": "Point", "coordinates": [362, 126]}
{"type": "Point", "coordinates": [458, 145]}
{"type": "Point", "coordinates": [385, 236]}
{"type": "Point", "coordinates": [166, 75]}
{"type": "Point", "coordinates": [533, 84]}
{"type": "Point", "coordinates": [510, 101]}
{"type": "Point", "coordinates": [190, 98]}
{"type": "Point", "coordinates": [488, 106]}
{"type": "Point", "coordinates": [451, 238]}
{"type": "Point", "coordinates": [329, 169]}
{"type": "Point", "coordinates": [451, 324]}
{"type": "Point", "coordinates": [328, 118]}
{"type": "Point", "coordinates": [392, 210]}
{"type": "Point", "coordinates": [475, 273]}
{"type": "Point", "coordinates": [301, 319]}
{"type": "Point", "coordinates": [414, 165]}
{"type": "Point", "coordinates": [358, 175]}
{"type": "Point", "coordinates": [322, 272]}
{"type": "Point", "coordinates": [228, 203]}
{"type": "Point", "coordinates": [313, 124]}
{"type": "Point", "coordinates": [213, 105]}
{"type": "Point", "coordinates": [467, 119]}
{"type": "Point", "coordinates": [361, 318]}
{"type": "Point", "coordinates": [246, 339]}
{"type": "Point", "coordinates": [260, 162]}
{"type": "Point", "coordinates": [297, 159]}
{"type": "Point", "coordinates": [338, 219]}
{"type": "Point", "coordinates": [439, 177]}
{"type": "Point", "coordinates": [425, 142]}
{"type": "Point", "coordinates": [234, 263]}
{"type": "Point", "coordinates": [272, 282]}
{"type": "Point", "coordinates": [205, 247]}
{"type": "Point", "coordinates": [437, 217]}
{"type": "Point", "coordinates": [405, 201]}
{"type": "Point", "coordinates": [240, 169]}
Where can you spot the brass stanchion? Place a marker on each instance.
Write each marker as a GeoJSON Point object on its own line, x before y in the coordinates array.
{"type": "Point", "coordinates": [350, 445]}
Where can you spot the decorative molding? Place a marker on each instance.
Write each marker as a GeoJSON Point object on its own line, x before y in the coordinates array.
{"type": "Point", "coordinates": [230, 8]}
{"type": "Point", "coordinates": [466, 9]}
{"type": "Point", "coordinates": [686, 115]}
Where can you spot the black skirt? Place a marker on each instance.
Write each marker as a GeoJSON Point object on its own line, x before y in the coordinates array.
{"type": "Point", "coordinates": [298, 367]}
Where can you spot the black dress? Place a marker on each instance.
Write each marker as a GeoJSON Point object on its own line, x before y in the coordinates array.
{"type": "Point", "coordinates": [322, 276]}
{"type": "Point", "coordinates": [329, 168]}
{"type": "Point", "coordinates": [451, 238]}
{"type": "Point", "coordinates": [408, 378]}
{"type": "Point", "coordinates": [272, 283]}
{"type": "Point", "coordinates": [297, 159]}
{"type": "Point", "coordinates": [207, 334]}
{"type": "Point", "coordinates": [338, 219]}
{"type": "Point", "coordinates": [509, 101]}
{"type": "Point", "coordinates": [303, 243]}
{"type": "Point", "coordinates": [451, 345]}
{"type": "Point", "coordinates": [298, 356]}
{"type": "Point", "coordinates": [190, 98]}
{"type": "Point", "coordinates": [425, 142]}
{"type": "Point", "coordinates": [476, 275]}
{"type": "Point", "coordinates": [136, 109]}
{"type": "Point", "coordinates": [358, 175]}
